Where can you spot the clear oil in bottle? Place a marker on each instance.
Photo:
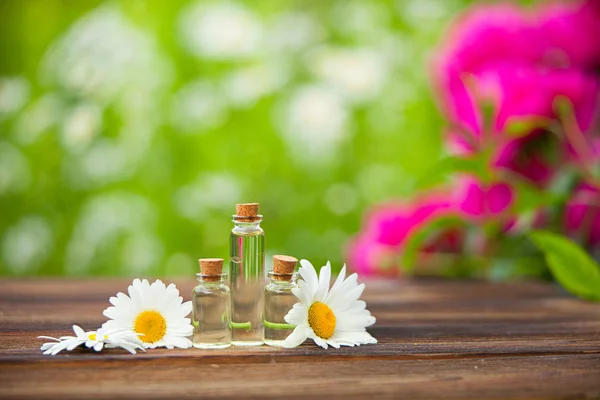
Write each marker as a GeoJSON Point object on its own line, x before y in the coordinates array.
{"type": "Point", "coordinates": [279, 300]}
{"type": "Point", "coordinates": [246, 270]}
{"type": "Point", "coordinates": [211, 301]}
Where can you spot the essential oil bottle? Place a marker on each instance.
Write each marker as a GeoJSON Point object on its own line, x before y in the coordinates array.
{"type": "Point", "coordinates": [211, 301]}
{"type": "Point", "coordinates": [247, 274]}
{"type": "Point", "coordinates": [279, 300]}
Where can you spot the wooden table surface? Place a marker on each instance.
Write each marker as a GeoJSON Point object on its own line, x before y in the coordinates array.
{"type": "Point", "coordinates": [436, 339]}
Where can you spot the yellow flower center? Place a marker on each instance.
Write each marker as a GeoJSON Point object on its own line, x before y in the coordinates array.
{"type": "Point", "coordinates": [92, 336]}
{"type": "Point", "coordinates": [321, 319]}
{"type": "Point", "coordinates": [151, 324]}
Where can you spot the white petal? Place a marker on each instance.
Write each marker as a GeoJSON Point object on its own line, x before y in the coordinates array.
{"type": "Point", "coordinates": [324, 280]}
{"type": "Point", "coordinates": [129, 347]}
{"type": "Point", "coordinates": [115, 313]}
{"type": "Point", "coordinates": [172, 298]}
{"type": "Point", "coordinates": [48, 337]}
{"type": "Point", "coordinates": [345, 297]}
{"type": "Point", "coordinates": [157, 292]}
{"type": "Point", "coordinates": [304, 292]}
{"type": "Point", "coordinates": [349, 283]}
{"type": "Point", "coordinates": [358, 305]}
{"type": "Point", "coordinates": [320, 342]}
{"type": "Point", "coordinates": [296, 338]}
{"type": "Point", "coordinates": [57, 349]}
{"type": "Point", "coordinates": [297, 315]}
{"type": "Point", "coordinates": [138, 291]}
{"type": "Point", "coordinates": [120, 300]}
{"type": "Point", "coordinates": [185, 309]}
{"type": "Point", "coordinates": [72, 343]}
{"type": "Point", "coordinates": [355, 293]}
{"type": "Point", "coordinates": [355, 323]}
{"type": "Point", "coordinates": [338, 283]}
{"type": "Point", "coordinates": [308, 273]}
{"type": "Point", "coordinates": [355, 337]}
{"type": "Point", "coordinates": [177, 341]}
{"type": "Point", "coordinates": [47, 346]}
{"type": "Point", "coordinates": [111, 324]}
{"type": "Point", "coordinates": [340, 278]}
{"type": "Point", "coordinates": [78, 331]}
{"type": "Point", "coordinates": [180, 331]}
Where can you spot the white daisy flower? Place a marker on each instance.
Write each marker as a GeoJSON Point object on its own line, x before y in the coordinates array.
{"type": "Point", "coordinates": [92, 339]}
{"type": "Point", "coordinates": [64, 342]}
{"type": "Point", "coordinates": [156, 312]}
{"type": "Point", "coordinates": [125, 339]}
{"type": "Point", "coordinates": [329, 317]}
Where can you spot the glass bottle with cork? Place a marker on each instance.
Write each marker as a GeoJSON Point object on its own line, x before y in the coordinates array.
{"type": "Point", "coordinates": [279, 299]}
{"type": "Point", "coordinates": [246, 270]}
{"type": "Point", "coordinates": [211, 301]}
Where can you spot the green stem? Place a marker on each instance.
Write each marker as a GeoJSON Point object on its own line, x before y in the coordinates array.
{"type": "Point", "coordinates": [273, 325]}
{"type": "Point", "coordinates": [240, 325]}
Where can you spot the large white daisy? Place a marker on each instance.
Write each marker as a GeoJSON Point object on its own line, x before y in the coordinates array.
{"type": "Point", "coordinates": [329, 317]}
{"type": "Point", "coordinates": [156, 312]}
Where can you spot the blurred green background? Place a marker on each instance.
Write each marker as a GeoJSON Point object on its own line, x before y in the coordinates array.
{"type": "Point", "coordinates": [129, 130]}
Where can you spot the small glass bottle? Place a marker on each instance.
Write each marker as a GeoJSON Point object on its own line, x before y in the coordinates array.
{"type": "Point", "coordinates": [247, 272]}
{"type": "Point", "coordinates": [211, 301]}
{"type": "Point", "coordinates": [279, 300]}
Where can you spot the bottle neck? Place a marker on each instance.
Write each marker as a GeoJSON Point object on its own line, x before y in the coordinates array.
{"type": "Point", "coordinates": [213, 280]}
{"type": "Point", "coordinates": [247, 222]}
{"type": "Point", "coordinates": [244, 225]}
{"type": "Point", "coordinates": [283, 280]}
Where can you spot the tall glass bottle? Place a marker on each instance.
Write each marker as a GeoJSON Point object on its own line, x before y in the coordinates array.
{"type": "Point", "coordinates": [211, 302]}
{"type": "Point", "coordinates": [279, 300]}
{"type": "Point", "coordinates": [246, 269]}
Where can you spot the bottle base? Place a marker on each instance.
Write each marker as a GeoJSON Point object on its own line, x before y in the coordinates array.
{"type": "Point", "coordinates": [274, 343]}
{"type": "Point", "coordinates": [247, 343]}
{"type": "Point", "coordinates": [211, 345]}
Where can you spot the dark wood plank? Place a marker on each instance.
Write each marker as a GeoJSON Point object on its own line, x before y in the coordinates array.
{"type": "Point", "coordinates": [499, 377]}
{"type": "Point", "coordinates": [449, 339]}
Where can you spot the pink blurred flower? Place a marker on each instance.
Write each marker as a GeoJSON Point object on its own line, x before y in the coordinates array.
{"type": "Point", "coordinates": [478, 201]}
{"type": "Point", "coordinates": [516, 93]}
{"type": "Point", "coordinates": [514, 64]}
{"type": "Point", "coordinates": [519, 63]}
{"type": "Point", "coordinates": [378, 247]}
{"type": "Point", "coordinates": [582, 215]}
{"type": "Point", "coordinates": [535, 157]}
{"type": "Point", "coordinates": [387, 228]}
{"type": "Point", "coordinates": [485, 35]}
{"type": "Point", "coordinates": [571, 30]}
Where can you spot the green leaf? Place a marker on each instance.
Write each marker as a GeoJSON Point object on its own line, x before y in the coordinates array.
{"type": "Point", "coordinates": [571, 265]}
{"type": "Point", "coordinates": [423, 233]}
{"type": "Point", "coordinates": [454, 164]}
{"type": "Point", "coordinates": [518, 127]}
{"type": "Point", "coordinates": [530, 198]}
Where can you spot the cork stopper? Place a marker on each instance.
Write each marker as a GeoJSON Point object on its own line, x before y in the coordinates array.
{"type": "Point", "coordinates": [247, 212]}
{"type": "Point", "coordinates": [283, 267]}
{"type": "Point", "coordinates": [211, 268]}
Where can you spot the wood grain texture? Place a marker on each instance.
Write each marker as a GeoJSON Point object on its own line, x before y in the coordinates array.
{"type": "Point", "coordinates": [436, 339]}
